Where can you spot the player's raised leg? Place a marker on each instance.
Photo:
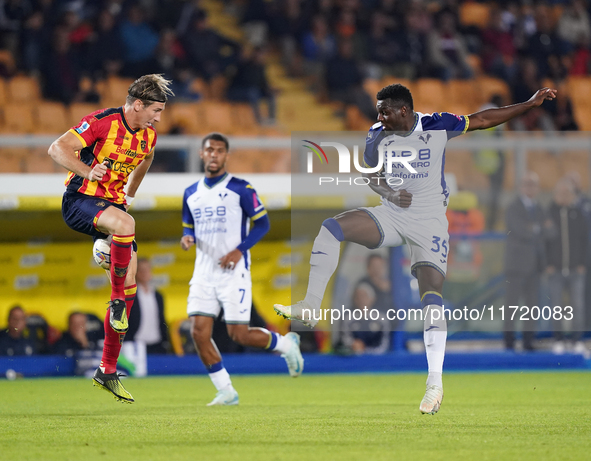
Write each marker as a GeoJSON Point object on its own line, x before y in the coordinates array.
{"type": "Point", "coordinates": [352, 226]}
{"type": "Point", "coordinates": [288, 345]}
{"type": "Point", "coordinates": [121, 226]}
{"type": "Point", "coordinates": [434, 335]}
{"type": "Point", "coordinates": [106, 376]}
{"type": "Point", "coordinates": [201, 329]}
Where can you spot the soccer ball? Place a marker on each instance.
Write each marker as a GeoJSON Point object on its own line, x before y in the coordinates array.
{"type": "Point", "coordinates": [101, 252]}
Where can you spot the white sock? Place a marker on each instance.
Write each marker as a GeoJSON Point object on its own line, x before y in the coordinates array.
{"type": "Point", "coordinates": [283, 344]}
{"type": "Point", "coordinates": [323, 262]}
{"type": "Point", "coordinates": [435, 337]}
{"type": "Point", "coordinates": [220, 379]}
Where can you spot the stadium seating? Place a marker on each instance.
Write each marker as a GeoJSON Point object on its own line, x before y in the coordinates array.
{"type": "Point", "coordinates": [114, 91]}
{"type": "Point", "coordinates": [79, 110]}
{"type": "Point", "coordinates": [217, 116]}
{"type": "Point", "coordinates": [185, 115]}
{"type": "Point", "coordinates": [487, 87]}
{"type": "Point", "coordinates": [474, 14]}
{"type": "Point", "coordinates": [23, 89]}
{"type": "Point", "coordinates": [51, 118]}
{"type": "Point", "coordinates": [430, 95]}
{"type": "Point", "coordinates": [18, 118]}
{"type": "Point", "coordinates": [243, 120]}
{"type": "Point", "coordinates": [2, 92]}
{"type": "Point", "coordinates": [38, 161]}
{"type": "Point", "coordinates": [12, 160]}
{"type": "Point", "coordinates": [579, 91]}
{"type": "Point", "coordinates": [355, 120]}
{"type": "Point", "coordinates": [372, 86]}
{"type": "Point", "coordinates": [462, 92]}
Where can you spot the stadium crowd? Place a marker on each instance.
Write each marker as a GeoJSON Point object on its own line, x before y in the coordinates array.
{"type": "Point", "coordinates": [335, 44]}
{"type": "Point", "coordinates": [339, 43]}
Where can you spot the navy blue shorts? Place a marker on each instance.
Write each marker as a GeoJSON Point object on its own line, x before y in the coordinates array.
{"type": "Point", "coordinates": [81, 211]}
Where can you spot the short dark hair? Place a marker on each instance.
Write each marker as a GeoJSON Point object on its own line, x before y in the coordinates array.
{"type": "Point", "coordinates": [215, 137]}
{"type": "Point", "coordinates": [373, 256]}
{"type": "Point", "coordinates": [149, 89]}
{"type": "Point", "coordinates": [16, 307]}
{"type": "Point", "coordinates": [72, 314]}
{"type": "Point", "coordinates": [397, 93]}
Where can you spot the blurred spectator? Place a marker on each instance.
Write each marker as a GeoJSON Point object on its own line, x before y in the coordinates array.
{"type": "Point", "coordinates": [15, 340]}
{"type": "Point", "coordinates": [566, 248]}
{"type": "Point", "coordinates": [366, 336]}
{"type": "Point", "coordinates": [61, 70]}
{"type": "Point", "coordinates": [491, 162]}
{"type": "Point", "coordinates": [447, 50]}
{"type": "Point", "coordinates": [13, 13]}
{"type": "Point", "coordinates": [318, 46]}
{"type": "Point", "coordinates": [346, 29]}
{"type": "Point", "coordinates": [208, 53]}
{"type": "Point", "coordinates": [378, 279]}
{"type": "Point", "coordinates": [583, 202]}
{"type": "Point", "coordinates": [35, 36]}
{"type": "Point", "coordinates": [250, 84]}
{"type": "Point", "coordinates": [573, 26]}
{"type": "Point", "coordinates": [498, 48]}
{"type": "Point", "coordinates": [287, 22]}
{"type": "Point", "coordinates": [412, 42]}
{"type": "Point", "coordinates": [464, 257]}
{"type": "Point", "coordinates": [146, 320]}
{"type": "Point", "coordinates": [176, 15]}
{"type": "Point", "coordinates": [115, 7]}
{"type": "Point", "coordinates": [41, 333]}
{"type": "Point", "coordinates": [75, 339]}
{"type": "Point", "coordinates": [526, 85]}
{"type": "Point", "coordinates": [139, 42]}
{"type": "Point", "coordinates": [579, 60]}
{"type": "Point", "coordinates": [383, 49]}
{"type": "Point", "coordinates": [544, 43]}
{"type": "Point", "coordinates": [168, 54]}
{"type": "Point", "coordinates": [524, 257]}
{"type": "Point", "coordinates": [182, 86]}
{"type": "Point", "coordinates": [463, 214]}
{"type": "Point", "coordinates": [253, 22]}
{"type": "Point", "coordinates": [106, 47]}
{"type": "Point", "coordinates": [343, 81]}
{"type": "Point", "coordinates": [79, 31]}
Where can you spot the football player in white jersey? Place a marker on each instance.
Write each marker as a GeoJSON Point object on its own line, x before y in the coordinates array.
{"type": "Point", "coordinates": [217, 211]}
{"type": "Point", "coordinates": [412, 210]}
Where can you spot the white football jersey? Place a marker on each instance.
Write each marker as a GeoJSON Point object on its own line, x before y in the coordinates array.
{"type": "Point", "coordinates": [218, 217]}
{"type": "Point", "coordinates": [423, 149]}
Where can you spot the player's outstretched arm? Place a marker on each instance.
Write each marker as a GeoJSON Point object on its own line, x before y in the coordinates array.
{"type": "Point", "coordinates": [493, 117]}
{"type": "Point", "coordinates": [63, 152]}
{"type": "Point", "coordinates": [378, 184]}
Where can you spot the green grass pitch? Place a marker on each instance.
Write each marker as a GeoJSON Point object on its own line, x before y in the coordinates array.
{"type": "Point", "coordinates": [485, 416]}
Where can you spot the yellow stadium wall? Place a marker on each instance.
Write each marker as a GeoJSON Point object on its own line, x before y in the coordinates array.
{"type": "Point", "coordinates": [56, 279]}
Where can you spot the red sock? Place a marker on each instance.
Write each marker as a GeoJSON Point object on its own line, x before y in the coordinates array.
{"type": "Point", "coordinates": [113, 340]}
{"type": "Point", "coordinates": [120, 257]}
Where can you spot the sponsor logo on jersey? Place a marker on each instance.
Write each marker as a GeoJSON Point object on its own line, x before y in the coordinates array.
{"type": "Point", "coordinates": [82, 128]}
{"type": "Point", "coordinates": [119, 166]}
{"type": "Point", "coordinates": [425, 137]}
{"type": "Point", "coordinates": [127, 152]}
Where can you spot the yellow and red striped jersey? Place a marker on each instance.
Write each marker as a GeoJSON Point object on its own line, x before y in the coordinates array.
{"type": "Point", "coordinates": [106, 136]}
